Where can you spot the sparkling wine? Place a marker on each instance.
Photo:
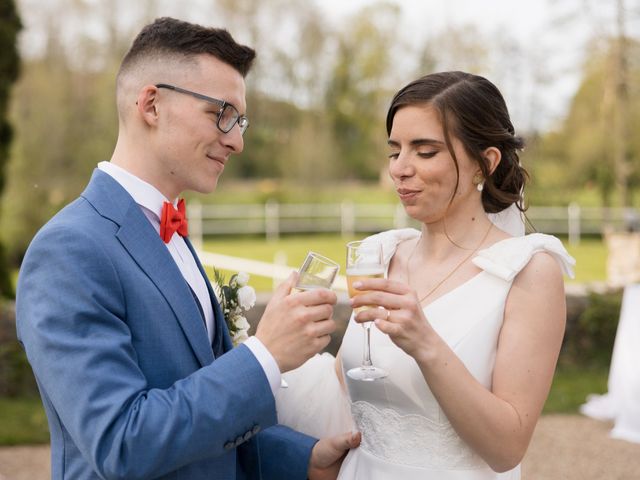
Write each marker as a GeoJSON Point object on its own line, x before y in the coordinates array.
{"type": "Point", "coordinates": [303, 288]}
{"type": "Point", "coordinates": [309, 281]}
{"type": "Point", "coordinates": [364, 261]}
{"type": "Point", "coordinates": [362, 272]}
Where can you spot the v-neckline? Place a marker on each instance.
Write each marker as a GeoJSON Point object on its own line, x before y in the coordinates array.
{"type": "Point", "coordinates": [454, 289]}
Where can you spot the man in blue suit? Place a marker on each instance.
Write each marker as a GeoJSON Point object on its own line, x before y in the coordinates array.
{"type": "Point", "coordinates": [126, 339]}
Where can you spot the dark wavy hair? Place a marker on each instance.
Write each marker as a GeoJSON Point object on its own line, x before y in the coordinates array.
{"type": "Point", "coordinates": [169, 36]}
{"type": "Point", "coordinates": [472, 109]}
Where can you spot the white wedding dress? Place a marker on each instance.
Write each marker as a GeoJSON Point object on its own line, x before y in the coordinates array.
{"type": "Point", "coordinates": [405, 433]}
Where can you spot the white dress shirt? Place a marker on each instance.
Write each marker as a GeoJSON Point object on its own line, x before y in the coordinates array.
{"type": "Point", "coordinates": [151, 201]}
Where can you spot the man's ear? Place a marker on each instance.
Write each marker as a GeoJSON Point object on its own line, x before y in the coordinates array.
{"type": "Point", "coordinates": [147, 104]}
{"type": "Point", "coordinates": [493, 156]}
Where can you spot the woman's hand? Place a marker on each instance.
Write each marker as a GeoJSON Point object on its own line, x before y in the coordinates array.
{"type": "Point", "coordinates": [400, 314]}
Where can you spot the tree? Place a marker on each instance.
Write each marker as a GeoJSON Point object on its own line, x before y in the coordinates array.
{"type": "Point", "coordinates": [461, 47]}
{"type": "Point", "coordinates": [620, 104]}
{"type": "Point", "coordinates": [65, 120]}
{"type": "Point", "coordinates": [284, 90]}
{"type": "Point", "coordinates": [10, 25]}
{"type": "Point", "coordinates": [599, 124]}
{"type": "Point", "coordinates": [356, 97]}
{"type": "Point", "coordinates": [585, 141]}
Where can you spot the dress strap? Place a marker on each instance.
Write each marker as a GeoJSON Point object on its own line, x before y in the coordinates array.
{"type": "Point", "coordinates": [505, 259]}
{"type": "Point", "coordinates": [390, 240]}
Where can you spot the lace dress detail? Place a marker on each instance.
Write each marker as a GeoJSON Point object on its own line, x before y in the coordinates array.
{"type": "Point", "coordinates": [411, 440]}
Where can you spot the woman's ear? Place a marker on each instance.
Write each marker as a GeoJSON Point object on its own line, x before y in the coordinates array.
{"type": "Point", "coordinates": [493, 156]}
{"type": "Point", "coordinates": [147, 104]}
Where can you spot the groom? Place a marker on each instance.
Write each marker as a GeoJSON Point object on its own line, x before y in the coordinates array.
{"type": "Point", "coordinates": [126, 339]}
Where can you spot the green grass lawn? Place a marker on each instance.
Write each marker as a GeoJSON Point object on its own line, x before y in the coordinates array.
{"type": "Point", "coordinates": [22, 421]}
{"type": "Point", "coordinates": [590, 254]}
{"type": "Point", "coordinates": [571, 385]}
{"type": "Point", "coordinates": [294, 248]}
{"type": "Point", "coordinates": [591, 260]}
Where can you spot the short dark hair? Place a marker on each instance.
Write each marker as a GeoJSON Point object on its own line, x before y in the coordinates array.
{"type": "Point", "coordinates": [168, 36]}
{"type": "Point", "coordinates": [473, 110]}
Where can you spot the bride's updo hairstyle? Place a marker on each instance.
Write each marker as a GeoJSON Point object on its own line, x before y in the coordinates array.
{"type": "Point", "coordinates": [473, 110]}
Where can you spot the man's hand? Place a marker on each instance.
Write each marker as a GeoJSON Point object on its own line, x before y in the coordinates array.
{"type": "Point", "coordinates": [327, 455]}
{"type": "Point", "coordinates": [296, 326]}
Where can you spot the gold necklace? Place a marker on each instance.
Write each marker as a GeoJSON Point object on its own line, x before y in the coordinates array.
{"type": "Point", "coordinates": [448, 275]}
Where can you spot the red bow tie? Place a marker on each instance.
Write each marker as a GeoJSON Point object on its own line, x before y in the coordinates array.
{"type": "Point", "coordinates": [173, 220]}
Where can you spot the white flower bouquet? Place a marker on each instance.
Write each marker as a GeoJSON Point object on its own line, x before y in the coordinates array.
{"type": "Point", "coordinates": [235, 298]}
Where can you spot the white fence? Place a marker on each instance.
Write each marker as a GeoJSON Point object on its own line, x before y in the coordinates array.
{"type": "Point", "coordinates": [277, 271]}
{"type": "Point", "coordinates": [273, 219]}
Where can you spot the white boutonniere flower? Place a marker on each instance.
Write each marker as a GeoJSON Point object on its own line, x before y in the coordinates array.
{"type": "Point", "coordinates": [235, 298]}
{"type": "Point", "coordinates": [246, 297]}
{"type": "Point", "coordinates": [242, 278]}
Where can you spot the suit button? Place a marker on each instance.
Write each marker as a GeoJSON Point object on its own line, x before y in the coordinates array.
{"type": "Point", "coordinates": [247, 435]}
{"type": "Point", "coordinates": [238, 441]}
{"type": "Point", "coordinates": [229, 445]}
{"type": "Point", "coordinates": [255, 429]}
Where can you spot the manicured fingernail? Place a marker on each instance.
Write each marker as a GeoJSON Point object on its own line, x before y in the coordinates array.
{"type": "Point", "coordinates": [357, 285]}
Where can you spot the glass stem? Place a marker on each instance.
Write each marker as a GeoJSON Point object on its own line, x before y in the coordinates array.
{"type": "Point", "coordinates": [366, 354]}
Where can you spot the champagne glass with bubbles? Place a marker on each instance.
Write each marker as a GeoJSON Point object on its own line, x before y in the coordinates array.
{"type": "Point", "coordinates": [364, 260]}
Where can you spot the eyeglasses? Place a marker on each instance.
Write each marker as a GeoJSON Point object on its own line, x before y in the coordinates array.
{"type": "Point", "coordinates": [228, 115]}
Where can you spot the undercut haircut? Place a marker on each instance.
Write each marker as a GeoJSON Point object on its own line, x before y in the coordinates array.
{"type": "Point", "coordinates": [176, 39]}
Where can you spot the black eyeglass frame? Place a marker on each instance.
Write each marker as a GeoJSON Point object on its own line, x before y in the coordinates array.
{"type": "Point", "coordinates": [241, 120]}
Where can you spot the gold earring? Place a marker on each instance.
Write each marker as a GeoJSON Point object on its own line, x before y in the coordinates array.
{"type": "Point", "coordinates": [478, 181]}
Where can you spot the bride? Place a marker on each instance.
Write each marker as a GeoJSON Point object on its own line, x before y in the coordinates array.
{"type": "Point", "coordinates": [471, 318]}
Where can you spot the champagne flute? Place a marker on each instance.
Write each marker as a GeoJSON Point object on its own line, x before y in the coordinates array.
{"type": "Point", "coordinates": [316, 272]}
{"type": "Point", "coordinates": [364, 260]}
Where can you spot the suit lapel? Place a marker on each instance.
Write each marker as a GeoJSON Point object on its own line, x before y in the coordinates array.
{"type": "Point", "coordinates": [146, 248]}
{"type": "Point", "coordinates": [221, 340]}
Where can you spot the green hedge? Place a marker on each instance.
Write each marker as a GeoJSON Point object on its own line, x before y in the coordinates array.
{"type": "Point", "coordinates": [589, 339]}
{"type": "Point", "coordinates": [16, 377]}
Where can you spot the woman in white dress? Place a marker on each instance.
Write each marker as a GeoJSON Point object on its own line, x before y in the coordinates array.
{"type": "Point", "coordinates": [471, 318]}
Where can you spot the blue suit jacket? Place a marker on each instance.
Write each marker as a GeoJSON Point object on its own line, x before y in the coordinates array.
{"type": "Point", "coordinates": [129, 381]}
